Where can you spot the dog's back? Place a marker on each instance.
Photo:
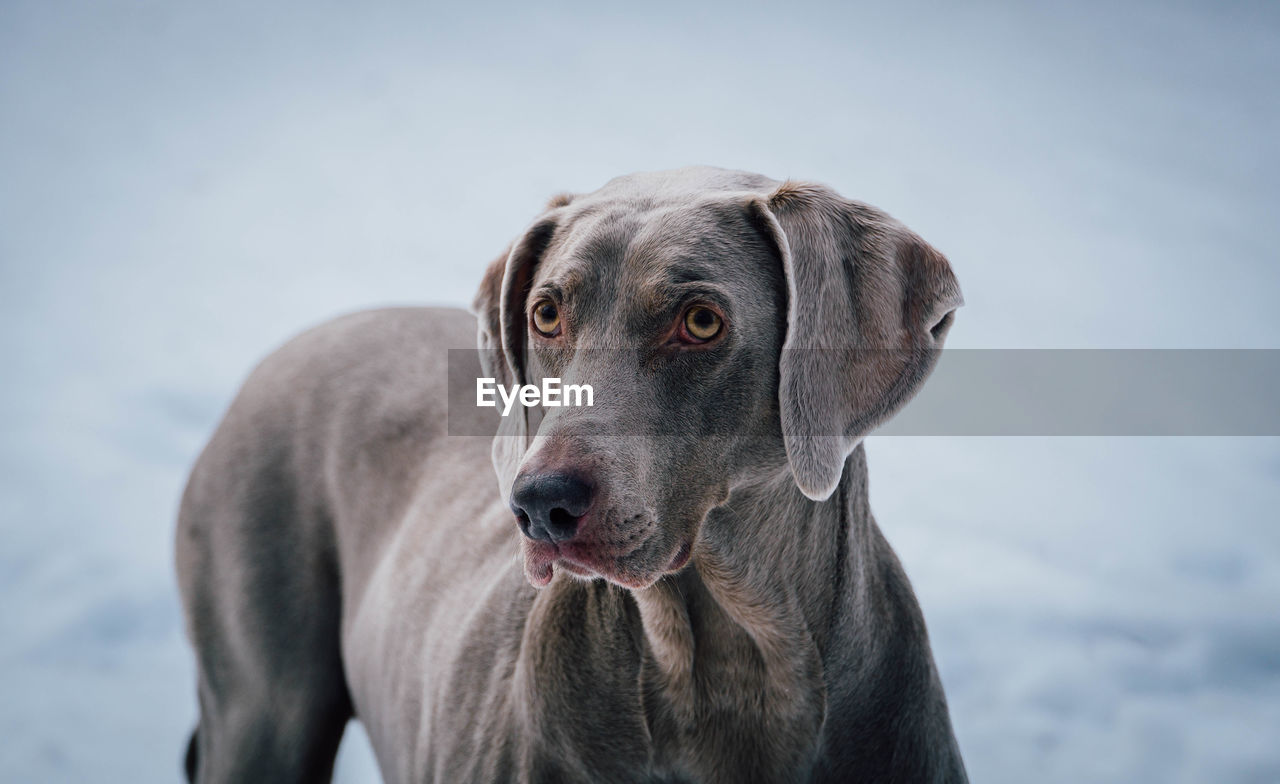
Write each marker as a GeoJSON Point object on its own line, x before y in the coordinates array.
{"type": "Point", "coordinates": [336, 425]}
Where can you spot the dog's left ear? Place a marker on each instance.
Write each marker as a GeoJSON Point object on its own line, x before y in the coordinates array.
{"type": "Point", "coordinates": [869, 305]}
{"type": "Point", "coordinates": [502, 337]}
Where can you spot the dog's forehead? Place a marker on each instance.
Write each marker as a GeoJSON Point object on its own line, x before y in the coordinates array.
{"type": "Point", "coordinates": [641, 247]}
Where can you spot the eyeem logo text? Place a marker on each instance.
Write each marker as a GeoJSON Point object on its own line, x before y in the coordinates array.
{"type": "Point", "coordinates": [488, 390]}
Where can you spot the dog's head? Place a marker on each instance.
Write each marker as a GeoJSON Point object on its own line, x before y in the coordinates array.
{"type": "Point", "coordinates": [731, 328]}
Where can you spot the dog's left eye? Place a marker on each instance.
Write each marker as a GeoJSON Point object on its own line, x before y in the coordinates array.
{"type": "Point", "coordinates": [700, 324]}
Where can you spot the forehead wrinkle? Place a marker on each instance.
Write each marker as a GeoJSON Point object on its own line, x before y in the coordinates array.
{"type": "Point", "coordinates": [680, 246]}
{"type": "Point", "coordinates": [659, 284]}
{"type": "Point", "coordinates": [601, 236]}
{"type": "Point", "coordinates": [669, 232]}
{"type": "Point", "coordinates": [701, 233]}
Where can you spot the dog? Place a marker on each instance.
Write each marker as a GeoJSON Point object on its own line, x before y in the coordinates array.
{"type": "Point", "coordinates": [682, 582]}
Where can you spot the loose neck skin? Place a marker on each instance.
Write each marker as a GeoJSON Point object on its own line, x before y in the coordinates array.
{"type": "Point", "coordinates": [792, 647]}
{"type": "Point", "coordinates": [738, 642]}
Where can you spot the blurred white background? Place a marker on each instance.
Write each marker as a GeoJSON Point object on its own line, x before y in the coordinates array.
{"type": "Point", "coordinates": [183, 186]}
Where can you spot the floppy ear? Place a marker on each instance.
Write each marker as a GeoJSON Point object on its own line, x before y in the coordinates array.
{"type": "Point", "coordinates": [869, 305]}
{"type": "Point", "coordinates": [499, 306]}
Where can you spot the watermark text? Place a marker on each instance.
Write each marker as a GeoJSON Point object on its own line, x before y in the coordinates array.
{"type": "Point", "coordinates": [551, 393]}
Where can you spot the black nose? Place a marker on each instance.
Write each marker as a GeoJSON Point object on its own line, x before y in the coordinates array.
{"type": "Point", "coordinates": [550, 505]}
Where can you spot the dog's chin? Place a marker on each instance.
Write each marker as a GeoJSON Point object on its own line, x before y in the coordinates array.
{"type": "Point", "coordinates": [584, 562]}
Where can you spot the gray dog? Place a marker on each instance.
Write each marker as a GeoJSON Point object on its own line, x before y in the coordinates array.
{"type": "Point", "coordinates": [680, 583]}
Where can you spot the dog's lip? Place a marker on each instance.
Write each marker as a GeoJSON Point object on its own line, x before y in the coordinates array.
{"type": "Point", "coordinates": [589, 559]}
{"type": "Point", "coordinates": [592, 563]}
{"type": "Point", "coordinates": [586, 556]}
{"type": "Point", "coordinates": [585, 559]}
{"type": "Point", "coordinates": [579, 558]}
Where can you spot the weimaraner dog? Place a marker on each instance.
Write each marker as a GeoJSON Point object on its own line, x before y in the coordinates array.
{"type": "Point", "coordinates": [682, 582]}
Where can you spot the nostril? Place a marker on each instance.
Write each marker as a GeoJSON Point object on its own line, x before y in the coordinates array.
{"type": "Point", "coordinates": [562, 524]}
{"type": "Point", "coordinates": [561, 517]}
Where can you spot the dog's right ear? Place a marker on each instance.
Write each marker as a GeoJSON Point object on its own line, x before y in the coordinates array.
{"type": "Point", "coordinates": [499, 307]}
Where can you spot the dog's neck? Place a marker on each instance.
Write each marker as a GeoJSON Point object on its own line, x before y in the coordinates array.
{"type": "Point", "coordinates": [737, 641]}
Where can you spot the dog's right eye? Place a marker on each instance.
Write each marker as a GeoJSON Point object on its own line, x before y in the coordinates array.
{"type": "Point", "coordinates": [546, 318]}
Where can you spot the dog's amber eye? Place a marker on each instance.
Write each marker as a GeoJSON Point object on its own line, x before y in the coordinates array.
{"type": "Point", "coordinates": [702, 323]}
{"type": "Point", "coordinates": [546, 317]}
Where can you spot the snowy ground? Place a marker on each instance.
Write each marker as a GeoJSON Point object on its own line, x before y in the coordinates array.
{"type": "Point", "coordinates": [183, 187]}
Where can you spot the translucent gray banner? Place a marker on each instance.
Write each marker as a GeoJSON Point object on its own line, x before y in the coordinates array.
{"type": "Point", "coordinates": [1014, 392]}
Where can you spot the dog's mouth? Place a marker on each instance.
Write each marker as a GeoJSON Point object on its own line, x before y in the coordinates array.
{"type": "Point", "coordinates": [589, 561]}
